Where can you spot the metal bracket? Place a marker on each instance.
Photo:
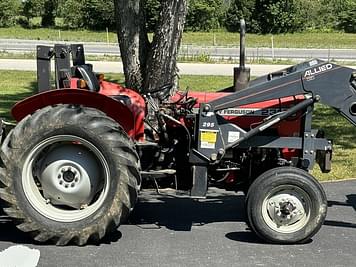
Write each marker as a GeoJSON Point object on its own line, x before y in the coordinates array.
{"type": "Point", "coordinates": [77, 54]}
{"type": "Point", "coordinates": [200, 182]}
{"type": "Point", "coordinates": [62, 64]}
{"type": "Point", "coordinates": [309, 136]}
{"type": "Point", "coordinates": [44, 54]}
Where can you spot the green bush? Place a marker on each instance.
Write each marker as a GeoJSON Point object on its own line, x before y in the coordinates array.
{"type": "Point", "coordinates": [241, 9]}
{"type": "Point", "coordinates": [346, 17]}
{"type": "Point", "coordinates": [9, 10]}
{"type": "Point", "coordinates": [204, 15]}
{"type": "Point", "coordinates": [90, 14]}
{"type": "Point", "coordinates": [99, 14]}
{"type": "Point", "coordinates": [45, 9]}
{"type": "Point", "coordinates": [279, 16]}
{"type": "Point", "coordinates": [72, 14]}
{"type": "Point", "coordinates": [49, 13]}
{"type": "Point", "coordinates": [152, 10]}
{"type": "Point", "coordinates": [32, 8]}
{"type": "Point", "coordinates": [261, 16]}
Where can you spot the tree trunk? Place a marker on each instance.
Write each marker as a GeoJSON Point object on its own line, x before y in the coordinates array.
{"type": "Point", "coordinates": [162, 64]}
{"type": "Point", "coordinates": [48, 17]}
{"type": "Point", "coordinates": [148, 66]}
{"type": "Point", "coordinates": [133, 41]}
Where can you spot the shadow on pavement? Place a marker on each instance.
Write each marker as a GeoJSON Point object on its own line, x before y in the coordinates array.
{"type": "Point", "coordinates": [181, 213]}
{"type": "Point", "coordinates": [9, 233]}
{"type": "Point", "coordinates": [350, 202]}
{"type": "Point", "coordinates": [246, 237]}
{"type": "Point", "coordinates": [340, 224]}
{"type": "Point", "coordinates": [250, 237]}
{"type": "Point", "coordinates": [178, 214]}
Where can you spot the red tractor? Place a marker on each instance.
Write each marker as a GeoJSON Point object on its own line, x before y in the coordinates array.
{"type": "Point", "coordinates": [73, 166]}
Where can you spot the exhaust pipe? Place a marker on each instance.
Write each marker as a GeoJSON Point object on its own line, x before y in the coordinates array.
{"type": "Point", "coordinates": [242, 73]}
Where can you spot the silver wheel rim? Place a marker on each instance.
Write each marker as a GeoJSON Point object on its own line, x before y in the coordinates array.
{"type": "Point", "coordinates": [35, 194]}
{"type": "Point", "coordinates": [286, 209]}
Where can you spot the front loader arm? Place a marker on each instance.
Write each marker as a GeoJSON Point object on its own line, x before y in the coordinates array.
{"type": "Point", "coordinates": [333, 85]}
{"type": "Point", "coordinates": [318, 81]}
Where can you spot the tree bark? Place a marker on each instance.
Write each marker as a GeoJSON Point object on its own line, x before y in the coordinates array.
{"type": "Point", "coordinates": [148, 66]}
{"type": "Point", "coordinates": [133, 41]}
{"type": "Point", "coordinates": [162, 64]}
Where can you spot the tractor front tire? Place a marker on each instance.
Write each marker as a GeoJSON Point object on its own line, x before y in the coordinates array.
{"type": "Point", "coordinates": [70, 174]}
{"type": "Point", "coordinates": [286, 205]}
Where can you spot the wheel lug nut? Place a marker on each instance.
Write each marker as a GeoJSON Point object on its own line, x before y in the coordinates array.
{"type": "Point", "coordinates": [72, 185]}
{"type": "Point", "coordinates": [76, 180]}
{"type": "Point", "coordinates": [60, 182]}
{"type": "Point", "coordinates": [66, 186]}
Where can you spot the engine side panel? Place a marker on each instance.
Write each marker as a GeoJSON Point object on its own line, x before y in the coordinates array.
{"type": "Point", "coordinates": [251, 115]}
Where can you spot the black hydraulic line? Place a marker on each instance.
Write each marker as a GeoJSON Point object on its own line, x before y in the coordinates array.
{"type": "Point", "coordinates": [272, 121]}
{"type": "Point", "coordinates": [181, 124]}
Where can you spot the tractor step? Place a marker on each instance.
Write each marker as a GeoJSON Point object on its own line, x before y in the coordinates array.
{"type": "Point", "coordinates": [158, 174]}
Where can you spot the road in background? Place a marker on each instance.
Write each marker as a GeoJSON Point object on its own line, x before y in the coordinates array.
{"type": "Point", "coordinates": [193, 51]}
{"type": "Point", "coordinates": [165, 230]}
{"type": "Point", "coordinates": [184, 68]}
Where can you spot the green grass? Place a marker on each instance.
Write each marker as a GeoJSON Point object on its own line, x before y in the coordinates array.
{"type": "Point", "coordinates": [343, 135]}
{"type": "Point", "coordinates": [296, 40]}
{"type": "Point", "coordinates": [17, 85]}
{"type": "Point", "coordinates": [204, 83]}
{"type": "Point", "coordinates": [56, 34]}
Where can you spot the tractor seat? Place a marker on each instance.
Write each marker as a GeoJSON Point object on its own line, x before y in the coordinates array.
{"type": "Point", "coordinates": [124, 99]}
{"type": "Point", "coordinates": [86, 72]}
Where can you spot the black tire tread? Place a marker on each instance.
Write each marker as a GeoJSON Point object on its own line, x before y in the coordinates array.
{"type": "Point", "coordinates": [96, 123]}
{"type": "Point", "coordinates": [258, 184]}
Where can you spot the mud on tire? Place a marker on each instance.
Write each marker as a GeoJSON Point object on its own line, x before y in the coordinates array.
{"type": "Point", "coordinates": [70, 174]}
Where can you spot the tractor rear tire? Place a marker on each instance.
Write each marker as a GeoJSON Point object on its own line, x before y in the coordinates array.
{"type": "Point", "coordinates": [286, 205]}
{"type": "Point", "coordinates": [70, 174]}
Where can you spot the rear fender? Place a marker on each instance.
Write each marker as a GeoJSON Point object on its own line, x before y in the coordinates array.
{"type": "Point", "coordinates": [114, 109]}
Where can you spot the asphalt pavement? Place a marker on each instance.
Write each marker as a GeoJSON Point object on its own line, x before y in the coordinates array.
{"type": "Point", "coordinates": [165, 230]}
